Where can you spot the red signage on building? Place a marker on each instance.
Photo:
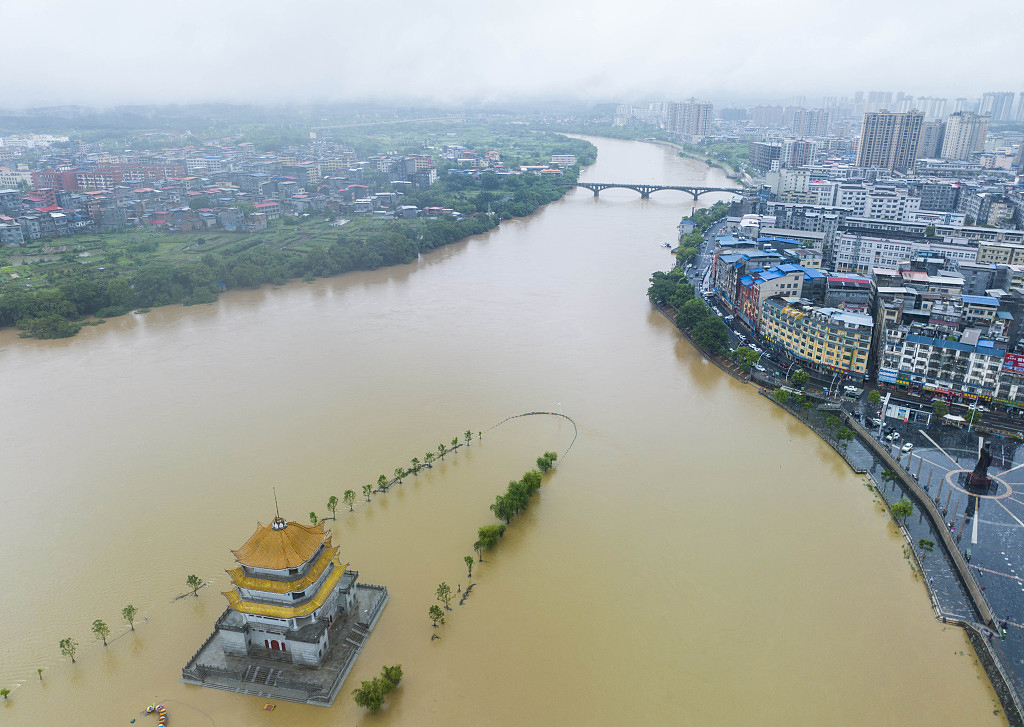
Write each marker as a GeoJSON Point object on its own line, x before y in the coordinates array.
{"type": "Point", "coordinates": [1013, 362]}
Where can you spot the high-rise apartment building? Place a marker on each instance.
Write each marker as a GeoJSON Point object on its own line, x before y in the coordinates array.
{"type": "Point", "coordinates": [930, 144]}
{"type": "Point", "coordinates": [932, 107]}
{"type": "Point", "coordinates": [965, 135]}
{"type": "Point", "coordinates": [889, 140]}
{"type": "Point", "coordinates": [997, 104]}
{"type": "Point", "coordinates": [690, 118]}
{"type": "Point", "coordinates": [812, 122]}
{"type": "Point", "coordinates": [1019, 117]}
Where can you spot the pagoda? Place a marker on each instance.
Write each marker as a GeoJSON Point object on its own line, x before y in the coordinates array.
{"type": "Point", "coordinates": [288, 588]}
{"type": "Point", "coordinates": [296, 621]}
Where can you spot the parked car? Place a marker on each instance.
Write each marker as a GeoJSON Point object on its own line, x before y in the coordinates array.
{"type": "Point", "coordinates": [759, 367]}
{"type": "Point", "coordinates": [907, 447]}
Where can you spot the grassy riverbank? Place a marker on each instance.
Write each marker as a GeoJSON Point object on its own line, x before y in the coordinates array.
{"type": "Point", "coordinates": [49, 288]}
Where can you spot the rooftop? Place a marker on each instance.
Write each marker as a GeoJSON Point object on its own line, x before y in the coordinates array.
{"type": "Point", "coordinates": [281, 545]}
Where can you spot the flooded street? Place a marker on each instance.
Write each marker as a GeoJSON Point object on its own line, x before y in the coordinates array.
{"type": "Point", "coordinates": [698, 558]}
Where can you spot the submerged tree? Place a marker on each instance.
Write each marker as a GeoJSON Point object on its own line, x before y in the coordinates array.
{"type": "Point", "coordinates": [349, 497]}
{"type": "Point", "coordinates": [68, 647]}
{"type": "Point", "coordinates": [194, 583]}
{"type": "Point", "coordinates": [444, 595]}
{"type": "Point", "coordinates": [367, 489]}
{"type": "Point", "coordinates": [128, 614]}
{"type": "Point", "coordinates": [436, 615]}
{"type": "Point", "coordinates": [469, 565]}
{"type": "Point", "coordinates": [468, 436]}
{"type": "Point", "coordinates": [101, 630]}
{"type": "Point", "coordinates": [332, 506]}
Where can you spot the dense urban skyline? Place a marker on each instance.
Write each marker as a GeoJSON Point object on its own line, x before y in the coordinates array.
{"type": "Point", "coordinates": [115, 52]}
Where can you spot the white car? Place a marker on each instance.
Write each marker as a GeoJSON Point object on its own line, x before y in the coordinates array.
{"type": "Point", "coordinates": [759, 367]}
{"type": "Point", "coordinates": [907, 447]}
{"type": "Point", "coordinates": [850, 388]}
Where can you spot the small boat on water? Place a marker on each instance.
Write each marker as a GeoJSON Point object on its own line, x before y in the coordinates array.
{"type": "Point", "coordinates": [666, 244]}
{"type": "Point", "coordinates": [161, 713]}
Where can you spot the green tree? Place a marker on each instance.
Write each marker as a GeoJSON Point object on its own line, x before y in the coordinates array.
{"type": "Point", "coordinates": [399, 474]}
{"type": "Point", "coordinates": [973, 416]}
{"type": "Point", "coordinates": [693, 312]}
{"type": "Point", "coordinates": [940, 408]}
{"type": "Point", "coordinates": [902, 509]}
{"type": "Point", "coordinates": [332, 506]}
{"type": "Point", "coordinates": [478, 548]}
{"type": "Point", "coordinates": [442, 450]}
{"type": "Point", "coordinates": [194, 583]}
{"type": "Point", "coordinates": [68, 647]}
{"type": "Point", "coordinates": [874, 396]}
{"type": "Point", "coordinates": [436, 615]}
{"type": "Point", "coordinates": [468, 437]}
{"type": "Point", "coordinates": [469, 564]}
{"type": "Point", "coordinates": [349, 497]}
{"type": "Point", "coordinates": [444, 595]}
{"type": "Point", "coordinates": [371, 695]}
{"type": "Point", "coordinates": [39, 671]}
{"type": "Point", "coordinates": [128, 613]}
{"type": "Point", "coordinates": [367, 489]}
{"type": "Point", "coordinates": [313, 518]}
{"type": "Point", "coordinates": [382, 483]}
{"type": "Point", "coordinates": [548, 458]}
{"type": "Point", "coordinates": [800, 377]}
{"type": "Point", "coordinates": [832, 422]}
{"type": "Point", "coordinates": [504, 508]}
{"type": "Point", "coordinates": [781, 396]}
{"type": "Point", "coordinates": [415, 465]}
{"type": "Point", "coordinates": [711, 334]}
{"type": "Point", "coordinates": [889, 476]}
{"type": "Point", "coordinates": [745, 358]}
{"type": "Point", "coordinates": [392, 675]}
{"type": "Point", "coordinates": [455, 443]}
{"type": "Point", "coordinates": [845, 436]}
{"type": "Point", "coordinates": [489, 535]}
{"type": "Point", "coordinates": [100, 630]}
{"type": "Point", "coordinates": [4, 692]}
{"type": "Point", "coordinates": [428, 458]}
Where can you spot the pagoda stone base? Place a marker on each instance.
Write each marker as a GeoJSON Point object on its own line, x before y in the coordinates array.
{"type": "Point", "coordinates": [272, 674]}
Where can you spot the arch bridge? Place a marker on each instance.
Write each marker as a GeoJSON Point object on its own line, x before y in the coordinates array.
{"type": "Point", "coordinates": [646, 189]}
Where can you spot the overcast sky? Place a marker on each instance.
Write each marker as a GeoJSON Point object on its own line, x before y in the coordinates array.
{"type": "Point", "coordinates": [472, 51]}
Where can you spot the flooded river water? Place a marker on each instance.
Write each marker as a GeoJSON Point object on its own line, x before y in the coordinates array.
{"type": "Point", "coordinates": [699, 558]}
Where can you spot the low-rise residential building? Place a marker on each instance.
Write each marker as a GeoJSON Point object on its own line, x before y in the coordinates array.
{"type": "Point", "coordinates": [923, 360]}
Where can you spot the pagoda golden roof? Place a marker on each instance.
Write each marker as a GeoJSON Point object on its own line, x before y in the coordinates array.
{"type": "Point", "coordinates": [236, 602]}
{"type": "Point", "coordinates": [282, 547]}
{"type": "Point", "coordinates": [241, 580]}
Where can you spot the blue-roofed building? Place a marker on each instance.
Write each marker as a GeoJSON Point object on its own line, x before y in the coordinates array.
{"type": "Point", "coordinates": [979, 310]}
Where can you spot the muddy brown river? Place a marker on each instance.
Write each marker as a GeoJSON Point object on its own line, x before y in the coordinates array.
{"type": "Point", "coordinates": [699, 558]}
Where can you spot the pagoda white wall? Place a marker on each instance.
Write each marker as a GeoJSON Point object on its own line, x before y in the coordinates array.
{"type": "Point", "coordinates": [234, 642]}
{"type": "Point", "coordinates": [308, 654]}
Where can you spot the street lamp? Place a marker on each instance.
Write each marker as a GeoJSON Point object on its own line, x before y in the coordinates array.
{"type": "Point", "coordinates": [831, 387]}
{"type": "Point", "coordinates": [972, 410]}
